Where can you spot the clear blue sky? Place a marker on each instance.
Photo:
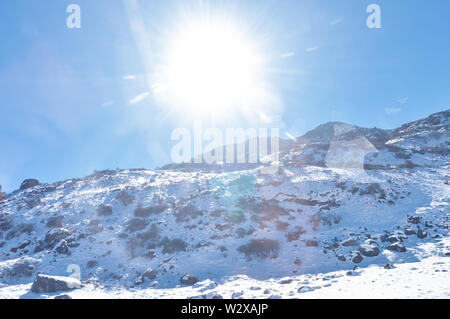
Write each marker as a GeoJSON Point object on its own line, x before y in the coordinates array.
{"type": "Point", "coordinates": [68, 104]}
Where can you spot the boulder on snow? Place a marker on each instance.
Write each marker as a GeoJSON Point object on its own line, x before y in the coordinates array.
{"type": "Point", "coordinates": [369, 250]}
{"type": "Point", "coordinates": [188, 280]}
{"type": "Point", "coordinates": [47, 284]}
{"type": "Point", "coordinates": [63, 296]}
{"type": "Point", "coordinates": [398, 247]}
{"type": "Point", "coordinates": [422, 234]}
{"type": "Point", "coordinates": [62, 247]}
{"type": "Point", "coordinates": [149, 274]}
{"type": "Point", "coordinates": [28, 183]}
{"type": "Point", "coordinates": [413, 220]}
{"type": "Point", "coordinates": [356, 257]}
{"type": "Point", "coordinates": [56, 221]}
{"type": "Point", "coordinates": [55, 235]}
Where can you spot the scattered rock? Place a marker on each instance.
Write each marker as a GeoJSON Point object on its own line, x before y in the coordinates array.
{"type": "Point", "coordinates": [104, 210]}
{"type": "Point", "coordinates": [398, 247]}
{"type": "Point", "coordinates": [369, 250]}
{"type": "Point", "coordinates": [350, 242]}
{"type": "Point", "coordinates": [188, 280]}
{"type": "Point", "coordinates": [92, 263]}
{"type": "Point", "coordinates": [55, 222]}
{"type": "Point", "coordinates": [62, 247]}
{"type": "Point", "coordinates": [55, 235]}
{"type": "Point", "coordinates": [46, 284]}
{"type": "Point", "coordinates": [312, 243]}
{"type": "Point", "coordinates": [356, 257]}
{"type": "Point", "coordinates": [125, 198]}
{"type": "Point", "coordinates": [414, 220]}
{"type": "Point", "coordinates": [409, 231]}
{"type": "Point", "coordinates": [149, 274]}
{"type": "Point", "coordinates": [28, 183]}
{"type": "Point", "coordinates": [136, 224]}
{"type": "Point", "coordinates": [95, 227]}
{"type": "Point", "coordinates": [422, 234]}
{"type": "Point", "coordinates": [394, 239]}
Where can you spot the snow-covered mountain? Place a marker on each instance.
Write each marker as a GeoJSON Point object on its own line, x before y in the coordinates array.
{"type": "Point", "coordinates": [349, 210]}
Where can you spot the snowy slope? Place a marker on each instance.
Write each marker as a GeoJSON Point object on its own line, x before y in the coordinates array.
{"type": "Point", "coordinates": [135, 233]}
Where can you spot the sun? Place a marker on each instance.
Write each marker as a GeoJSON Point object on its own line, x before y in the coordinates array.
{"type": "Point", "coordinates": [212, 68]}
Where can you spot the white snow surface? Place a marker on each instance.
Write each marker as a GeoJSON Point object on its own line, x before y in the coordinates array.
{"type": "Point", "coordinates": [304, 232]}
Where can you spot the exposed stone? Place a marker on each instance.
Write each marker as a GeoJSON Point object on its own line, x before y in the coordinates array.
{"type": "Point", "coordinates": [46, 284]}
{"type": "Point", "coordinates": [28, 183]}
{"type": "Point", "coordinates": [188, 280]}
{"type": "Point", "coordinates": [149, 274]}
{"type": "Point", "coordinates": [356, 257]}
{"type": "Point", "coordinates": [62, 247]}
{"type": "Point", "coordinates": [413, 220]}
{"type": "Point", "coordinates": [55, 235]}
{"type": "Point", "coordinates": [312, 243]}
{"type": "Point", "coordinates": [369, 250]}
{"type": "Point", "coordinates": [104, 210]}
{"type": "Point", "coordinates": [398, 247]}
{"type": "Point", "coordinates": [421, 234]}
{"type": "Point", "coordinates": [55, 222]}
{"type": "Point", "coordinates": [350, 242]}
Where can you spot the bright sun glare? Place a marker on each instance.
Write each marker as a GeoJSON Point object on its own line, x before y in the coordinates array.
{"type": "Point", "coordinates": [212, 69]}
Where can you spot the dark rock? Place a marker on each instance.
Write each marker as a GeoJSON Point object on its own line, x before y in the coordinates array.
{"type": "Point", "coordinates": [62, 247]}
{"type": "Point", "coordinates": [145, 212]}
{"type": "Point", "coordinates": [24, 244]}
{"type": "Point", "coordinates": [171, 246]}
{"type": "Point", "coordinates": [40, 246]}
{"type": "Point", "coordinates": [24, 267]}
{"type": "Point", "coordinates": [356, 257]}
{"type": "Point", "coordinates": [55, 222]}
{"type": "Point", "coordinates": [369, 250]}
{"type": "Point", "coordinates": [263, 248]}
{"type": "Point", "coordinates": [64, 296]}
{"type": "Point", "coordinates": [136, 224]}
{"type": "Point", "coordinates": [55, 235]}
{"type": "Point", "coordinates": [342, 258]}
{"type": "Point", "coordinates": [92, 263]}
{"type": "Point", "coordinates": [398, 247]}
{"type": "Point", "coordinates": [414, 220]}
{"type": "Point", "coordinates": [149, 274]}
{"type": "Point", "coordinates": [28, 183]}
{"type": "Point", "coordinates": [104, 210]}
{"type": "Point", "coordinates": [188, 280]}
{"type": "Point", "coordinates": [422, 234]}
{"type": "Point", "coordinates": [394, 239]}
{"type": "Point", "coordinates": [389, 266]}
{"type": "Point", "coordinates": [312, 243]}
{"type": "Point", "coordinates": [350, 242]}
{"type": "Point", "coordinates": [48, 284]}
{"type": "Point", "coordinates": [125, 198]}
{"type": "Point", "coordinates": [409, 231]}
{"type": "Point", "coordinates": [33, 203]}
